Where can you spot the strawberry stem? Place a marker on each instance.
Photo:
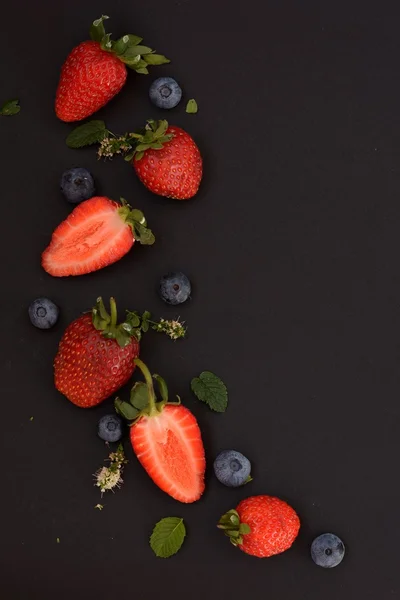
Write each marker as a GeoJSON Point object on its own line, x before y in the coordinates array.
{"type": "Point", "coordinates": [152, 408]}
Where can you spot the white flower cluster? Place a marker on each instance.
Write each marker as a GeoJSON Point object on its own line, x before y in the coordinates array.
{"type": "Point", "coordinates": [108, 478]}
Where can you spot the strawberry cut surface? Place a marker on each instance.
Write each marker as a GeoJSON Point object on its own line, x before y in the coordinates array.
{"type": "Point", "coordinates": [92, 237]}
{"type": "Point", "coordinates": [170, 448]}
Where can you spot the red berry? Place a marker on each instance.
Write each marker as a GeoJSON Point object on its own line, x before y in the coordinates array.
{"type": "Point", "coordinates": [90, 77]}
{"type": "Point", "coordinates": [89, 368]}
{"type": "Point", "coordinates": [175, 170]}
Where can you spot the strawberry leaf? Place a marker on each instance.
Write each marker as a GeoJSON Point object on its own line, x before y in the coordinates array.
{"type": "Point", "coordinates": [167, 537]}
{"type": "Point", "coordinates": [133, 39]}
{"type": "Point", "coordinates": [9, 108]}
{"type": "Point", "coordinates": [97, 31]}
{"type": "Point", "coordinates": [87, 134]}
{"type": "Point", "coordinates": [139, 395]}
{"type": "Point", "coordinates": [156, 59]}
{"type": "Point", "coordinates": [191, 107]}
{"type": "Point", "coordinates": [125, 409]}
{"type": "Point", "coordinates": [162, 386]}
{"type": "Point", "coordinates": [210, 389]}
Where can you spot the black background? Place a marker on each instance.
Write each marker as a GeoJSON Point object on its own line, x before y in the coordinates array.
{"type": "Point", "coordinates": [292, 245]}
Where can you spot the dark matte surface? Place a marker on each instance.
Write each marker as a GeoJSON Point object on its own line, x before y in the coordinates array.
{"type": "Point", "coordinates": [293, 248]}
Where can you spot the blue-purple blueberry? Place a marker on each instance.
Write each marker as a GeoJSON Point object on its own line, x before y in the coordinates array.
{"type": "Point", "coordinates": [232, 468]}
{"type": "Point", "coordinates": [327, 550]}
{"type": "Point", "coordinates": [175, 288]}
{"type": "Point", "coordinates": [165, 92]}
{"type": "Point", "coordinates": [43, 313]}
{"type": "Point", "coordinates": [110, 428]}
{"type": "Point", "coordinates": [77, 185]}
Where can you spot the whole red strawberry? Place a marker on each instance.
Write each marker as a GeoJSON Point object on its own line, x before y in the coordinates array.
{"type": "Point", "coordinates": [95, 71]}
{"type": "Point", "coordinates": [96, 355]}
{"type": "Point", "coordinates": [261, 526]}
{"type": "Point", "coordinates": [168, 162]}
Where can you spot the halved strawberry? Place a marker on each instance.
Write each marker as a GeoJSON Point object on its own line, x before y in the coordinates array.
{"type": "Point", "coordinates": [166, 439]}
{"type": "Point", "coordinates": [96, 234]}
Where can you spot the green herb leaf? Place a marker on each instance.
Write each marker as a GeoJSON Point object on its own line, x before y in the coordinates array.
{"type": "Point", "coordinates": [210, 389]}
{"type": "Point", "coordinates": [9, 108]}
{"type": "Point", "coordinates": [133, 319]}
{"type": "Point", "coordinates": [87, 134]}
{"type": "Point", "coordinates": [139, 395]}
{"type": "Point", "coordinates": [192, 107]}
{"type": "Point", "coordinates": [142, 71]}
{"type": "Point", "coordinates": [125, 409]}
{"type": "Point", "coordinates": [167, 537]}
{"type": "Point", "coordinates": [156, 59]}
{"type": "Point", "coordinates": [97, 31]}
{"type": "Point", "coordinates": [145, 321]}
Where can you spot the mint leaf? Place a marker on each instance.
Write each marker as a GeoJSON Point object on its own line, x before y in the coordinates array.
{"type": "Point", "coordinates": [191, 107]}
{"type": "Point", "coordinates": [9, 108]}
{"type": "Point", "coordinates": [167, 537]}
{"type": "Point", "coordinates": [210, 389]}
{"type": "Point", "coordinates": [87, 134]}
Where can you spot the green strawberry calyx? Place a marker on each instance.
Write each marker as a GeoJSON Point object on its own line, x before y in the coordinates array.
{"type": "Point", "coordinates": [134, 325]}
{"type": "Point", "coordinates": [127, 48]}
{"type": "Point", "coordinates": [137, 222]}
{"type": "Point", "coordinates": [143, 400]}
{"type": "Point", "coordinates": [233, 528]}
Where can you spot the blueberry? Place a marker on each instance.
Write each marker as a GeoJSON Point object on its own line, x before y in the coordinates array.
{"type": "Point", "coordinates": [165, 92]}
{"type": "Point", "coordinates": [232, 468]}
{"type": "Point", "coordinates": [43, 313]}
{"type": "Point", "coordinates": [327, 550]}
{"type": "Point", "coordinates": [77, 185]}
{"type": "Point", "coordinates": [175, 288]}
{"type": "Point", "coordinates": [109, 428]}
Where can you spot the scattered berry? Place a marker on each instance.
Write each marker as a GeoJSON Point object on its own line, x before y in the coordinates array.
{"type": "Point", "coordinates": [109, 428]}
{"type": "Point", "coordinates": [165, 92]}
{"type": "Point", "coordinates": [43, 313]}
{"type": "Point", "coordinates": [77, 185]}
{"type": "Point", "coordinates": [261, 526]}
{"type": "Point", "coordinates": [166, 439]}
{"type": "Point", "coordinates": [96, 234]}
{"type": "Point", "coordinates": [232, 468]}
{"type": "Point", "coordinates": [327, 550]}
{"type": "Point", "coordinates": [175, 288]}
{"type": "Point", "coordinates": [96, 70]}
